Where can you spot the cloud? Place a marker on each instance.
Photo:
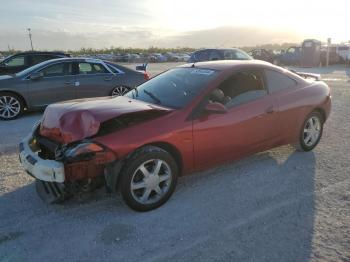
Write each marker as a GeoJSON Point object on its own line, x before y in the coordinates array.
{"type": "Point", "coordinates": [233, 36]}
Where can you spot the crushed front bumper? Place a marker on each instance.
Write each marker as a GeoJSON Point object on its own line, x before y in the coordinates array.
{"type": "Point", "coordinates": [42, 169]}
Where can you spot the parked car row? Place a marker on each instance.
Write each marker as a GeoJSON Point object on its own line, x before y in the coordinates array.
{"type": "Point", "coordinates": [143, 58]}
{"type": "Point", "coordinates": [33, 80]}
{"type": "Point", "coordinates": [310, 53]}
{"type": "Point", "coordinates": [62, 79]}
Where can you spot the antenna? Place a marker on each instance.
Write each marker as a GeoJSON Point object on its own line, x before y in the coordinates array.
{"type": "Point", "coordinates": [30, 38]}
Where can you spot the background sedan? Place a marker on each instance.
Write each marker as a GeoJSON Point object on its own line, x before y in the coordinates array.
{"type": "Point", "coordinates": [218, 54]}
{"type": "Point", "coordinates": [63, 79]}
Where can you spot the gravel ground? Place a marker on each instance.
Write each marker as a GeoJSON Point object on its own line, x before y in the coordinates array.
{"type": "Point", "coordinates": [278, 205]}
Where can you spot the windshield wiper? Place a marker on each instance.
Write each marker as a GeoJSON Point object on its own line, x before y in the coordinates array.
{"type": "Point", "coordinates": [156, 99]}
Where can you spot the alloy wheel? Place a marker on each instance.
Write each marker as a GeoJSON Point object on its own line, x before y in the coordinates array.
{"type": "Point", "coordinates": [312, 131]}
{"type": "Point", "coordinates": [10, 107]}
{"type": "Point", "coordinates": [120, 91]}
{"type": "Point", "coordinates": [151, 181]}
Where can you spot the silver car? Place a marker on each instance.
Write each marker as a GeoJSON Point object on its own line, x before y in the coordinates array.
{"type": "Point", "coordinates": [63, 79]}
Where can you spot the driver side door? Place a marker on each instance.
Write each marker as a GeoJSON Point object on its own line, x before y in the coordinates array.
{"type": "Point", "coordinates": [249, 125]}
{"type": "Point", "coordinates": [57, 83]}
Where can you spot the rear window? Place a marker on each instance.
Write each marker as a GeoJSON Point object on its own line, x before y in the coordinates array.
{"type": "Point", "coordinates": [174, 88]}
{"type": "Point", "coordinates": [277, 81]}
{"type": "Point", "coordinates": [91, 68]}
{"type": "Point", "coordinates": [236, 55]}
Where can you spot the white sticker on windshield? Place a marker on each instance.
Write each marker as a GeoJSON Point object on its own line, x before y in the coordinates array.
{"type": "Point", "coordinates": [202, 72]}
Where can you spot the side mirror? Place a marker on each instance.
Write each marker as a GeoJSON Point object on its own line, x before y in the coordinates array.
{"type": "Point", "coordinates": [2, 65]}
{"type": "Point", "coordinates": [36, 76]}
{"type": "Point", "coordinates": [215, 108]}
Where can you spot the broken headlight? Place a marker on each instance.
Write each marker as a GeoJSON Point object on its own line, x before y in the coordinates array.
{"type": "Point", "coordinates": [86, 151]}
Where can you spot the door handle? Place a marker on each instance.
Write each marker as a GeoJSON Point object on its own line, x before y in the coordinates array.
{"type": "Point", "coordinates": [108, 78]}
{"type": "Point", "coordinates": [68, 83]}
{"type": "Point", "coordinates": [269, 110]}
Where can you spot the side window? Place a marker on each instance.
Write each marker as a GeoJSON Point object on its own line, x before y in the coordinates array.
{"type": "Point", "coordinates": [214, 55]}
{"type": "Point", "coordinates": [230, 55]}
{"type": "Point", "coordinates": [91, 68]}
{"type": "Point", "coordinates": [277, 81]}
{"type": "Point", "coordinates": [36, 59]}
{"type": "Point", "coordinates": [203, 55]}
{"type": "Point", "coordinates": [114, 69]}
{"type": "Point", "coordinates": [60, 69]}
{"type": "Point", "coordinates": [242, 56]}
{"type": "Point", "coordinates": [16, 61]}
{"type": "Point", "coordinates": [242, 87]}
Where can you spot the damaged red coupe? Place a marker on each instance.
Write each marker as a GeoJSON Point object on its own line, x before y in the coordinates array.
{"type": "Point", "coordinates": [186, 119]}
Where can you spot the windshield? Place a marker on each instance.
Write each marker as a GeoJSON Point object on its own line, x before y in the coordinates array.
{"type": "Point", "coordinates": [174, 88]}
{"type": "Point", "coordinates": [32, 68]}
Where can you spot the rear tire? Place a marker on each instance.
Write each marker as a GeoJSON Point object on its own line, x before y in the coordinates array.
{"type": "Point", "coordinates": [11, 106]}
{"type": "Point", "coordinates": [148, 178]}
{"type": "Point", "coordinates": [311, 132]}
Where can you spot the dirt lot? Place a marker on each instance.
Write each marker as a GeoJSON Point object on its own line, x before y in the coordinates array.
{"type": "Point", "coordinates": [279, 205]}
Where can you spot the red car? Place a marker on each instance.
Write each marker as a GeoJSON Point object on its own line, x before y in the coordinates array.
{"type": "Point", "coordinates": [186, 119]}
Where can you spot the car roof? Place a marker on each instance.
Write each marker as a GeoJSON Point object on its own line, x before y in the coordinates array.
{"type": "Point", "coordinates": [41, 53]}
{"type": "Point", "coordinates": [227, 64]}
{"type": "Point", "coordinates": [77, 59]}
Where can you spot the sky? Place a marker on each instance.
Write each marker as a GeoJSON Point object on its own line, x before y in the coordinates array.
{"type": "Point", "coordinates": [73, 24]}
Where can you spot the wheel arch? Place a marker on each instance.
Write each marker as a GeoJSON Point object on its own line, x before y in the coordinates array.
{"type": "Point", "coordinates": [17, 94]}
{"type": "Point", "coordinates": [322, 112]}
{"type": "Point", "coordinates": [172, 150]}
{"type": "Point", "coordinates": [114, 170]}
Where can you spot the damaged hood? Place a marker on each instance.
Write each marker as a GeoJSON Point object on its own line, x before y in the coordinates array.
{"type": "Point", "coordinates": [75, 120]}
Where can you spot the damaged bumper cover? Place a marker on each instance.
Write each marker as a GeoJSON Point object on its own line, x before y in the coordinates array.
{"type": "Point", "coordinates": [81, 161]}
{"type": "Point", "coordinates": [42, 169]}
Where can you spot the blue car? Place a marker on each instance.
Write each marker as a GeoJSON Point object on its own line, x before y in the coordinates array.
{"type": "Point", "coordinates": [218, 54]}
{"type": "Point", "coordinates": [292, 56]}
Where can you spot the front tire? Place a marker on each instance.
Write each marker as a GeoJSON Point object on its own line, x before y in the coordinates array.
{"type": "Point", "coordinates": [311, 132]}
{"type": "Point", "coordinates": [11, 106]}
{"type": "Point", "coordinates": [148, 179]}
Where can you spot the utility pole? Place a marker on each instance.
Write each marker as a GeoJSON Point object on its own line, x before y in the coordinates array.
{"type": "Point", "coordinates": [30, 38]}
{"type": "Point", "coordinates": [329, 42]}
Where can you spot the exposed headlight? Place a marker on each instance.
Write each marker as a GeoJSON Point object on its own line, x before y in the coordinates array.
{"type": "Point", "coordinates": [87, 151]}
